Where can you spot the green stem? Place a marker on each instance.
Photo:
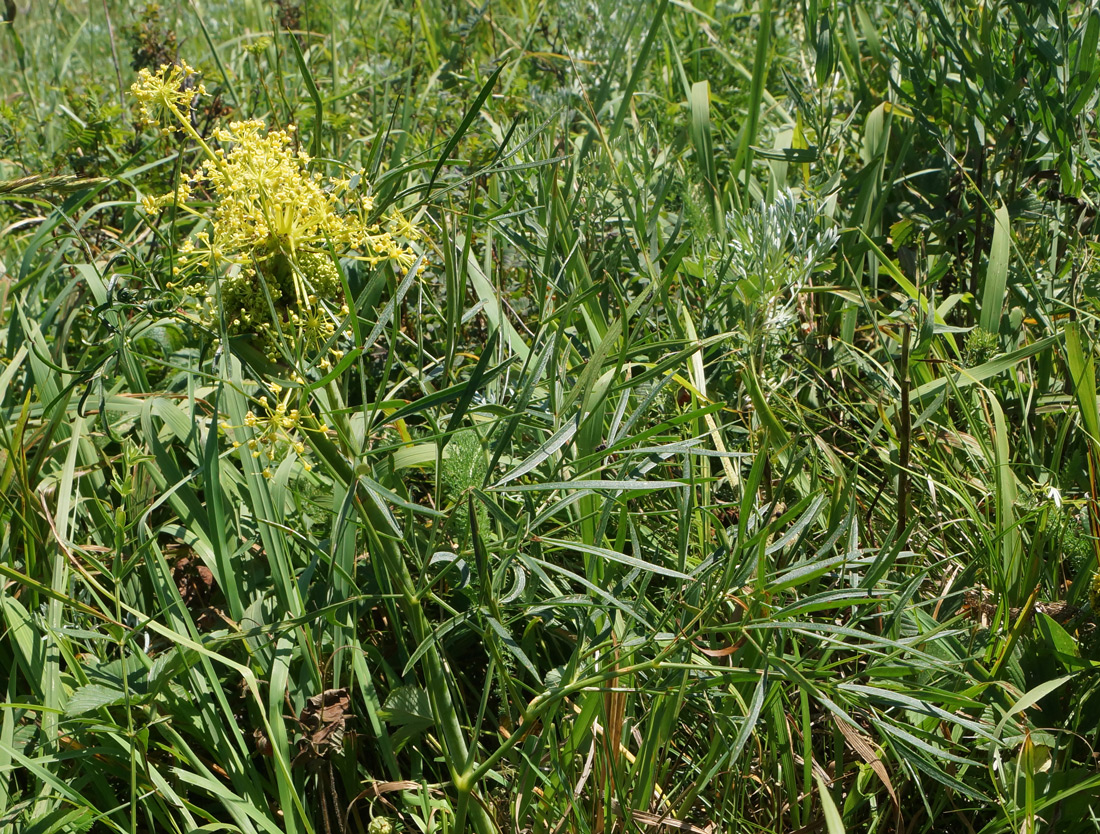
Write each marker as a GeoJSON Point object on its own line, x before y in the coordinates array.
{"type": "Point", "coordinates": [185, 123]}
{"type": "Point", "coordinates": [541, 702]}
{"type": "Point", "coordinates": [435, 676]}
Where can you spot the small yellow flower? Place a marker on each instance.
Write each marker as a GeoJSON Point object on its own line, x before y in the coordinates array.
{"type": "Point", "coordinates": [166, 92]}
{"type": "Point", "coordinates": [274, 429]}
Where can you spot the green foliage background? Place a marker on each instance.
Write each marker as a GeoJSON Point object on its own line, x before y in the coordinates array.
{"type": "Point", "coordinates": [730, 464]}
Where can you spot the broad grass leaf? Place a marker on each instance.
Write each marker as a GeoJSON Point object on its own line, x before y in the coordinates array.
{"type": "Point", "coordinates": [63, 820]}
{"type": "Point", "coordinates": [996, 273]}
{"type": "Point", "coordinates": [407, 706]}
{"type": "Point", "coordinates": [93, 696]}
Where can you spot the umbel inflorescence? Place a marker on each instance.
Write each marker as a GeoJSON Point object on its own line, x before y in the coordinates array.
{"type": "Point", "coordinates": [273, 229]}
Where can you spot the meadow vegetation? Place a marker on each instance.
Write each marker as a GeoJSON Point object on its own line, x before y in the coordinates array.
{"type": "Point", "coordinates": [549, 416]}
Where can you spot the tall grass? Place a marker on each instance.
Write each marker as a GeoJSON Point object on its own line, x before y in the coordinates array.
{"type": "Point", "coordinates": [726, 459]}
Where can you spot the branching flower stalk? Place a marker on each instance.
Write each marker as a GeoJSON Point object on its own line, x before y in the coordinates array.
{"type": "Point", "coordinates": [466, 770]}
{"type": "Point", "coordinates": [458, 753]}
{"type": "Point", "coordinates": [274, 230]}
{"type": "Point", "coordinates": [270, 242]}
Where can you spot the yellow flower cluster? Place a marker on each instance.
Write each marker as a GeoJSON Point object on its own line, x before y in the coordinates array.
{"type": "Point", "coordinates": [274, 228]}
{"type": "Point", "coordinates": [268, 203]}
{"type": "Point", "coordinates": [275, 429]}
{"type": "Point", "coordinates": [167, 93]}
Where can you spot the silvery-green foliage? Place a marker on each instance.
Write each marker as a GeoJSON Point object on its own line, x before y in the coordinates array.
{"type": "Point", "coordinates": [770, 254]}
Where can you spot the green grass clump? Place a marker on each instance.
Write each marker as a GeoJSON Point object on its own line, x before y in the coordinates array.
{"type": "Point", "coordinates": [561, 416]}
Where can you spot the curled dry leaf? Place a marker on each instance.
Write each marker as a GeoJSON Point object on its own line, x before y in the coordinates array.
{"type": "Point", "coordinates": [324, 722]}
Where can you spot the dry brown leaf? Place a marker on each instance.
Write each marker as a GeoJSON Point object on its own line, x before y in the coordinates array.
{"type": "Point", "coordinates": [324, 720]}
{"type": "Point", "coordinates": [663, 821]}
{"type": "Point", "coordinates": [866, 750]}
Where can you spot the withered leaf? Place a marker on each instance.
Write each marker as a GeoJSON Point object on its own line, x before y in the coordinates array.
{"type": "Point", "coordinates": [867, 752]}
{"type": "Point", "coordinates": [324, 721]}
{"type": "Point", "coordinates": [262, 743]}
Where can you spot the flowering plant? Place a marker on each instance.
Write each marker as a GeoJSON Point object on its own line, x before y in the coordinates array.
{"type": "Point", "coordinates": [269, 244]}
{"type": "Point", "coordinates": [274, 227]}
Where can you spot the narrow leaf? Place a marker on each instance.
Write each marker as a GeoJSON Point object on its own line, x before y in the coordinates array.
{"type": "Point", "coordinates": [996, 273]}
